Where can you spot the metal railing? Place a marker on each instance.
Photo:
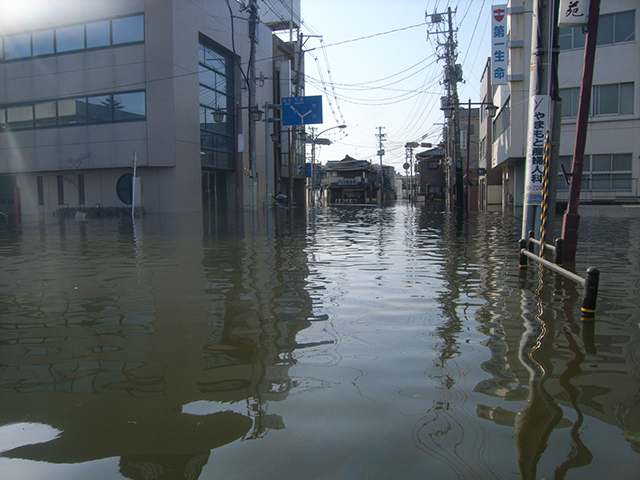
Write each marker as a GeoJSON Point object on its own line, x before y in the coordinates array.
{"type": "Point", "coordinates": [589, 282]}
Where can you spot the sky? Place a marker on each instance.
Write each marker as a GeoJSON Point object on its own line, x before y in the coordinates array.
{"type": "Point", "coordinates": [376, 63]}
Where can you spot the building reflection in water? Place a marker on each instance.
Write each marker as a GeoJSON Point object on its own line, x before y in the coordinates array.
{"type": "Point", "coordinates": [147, 342]}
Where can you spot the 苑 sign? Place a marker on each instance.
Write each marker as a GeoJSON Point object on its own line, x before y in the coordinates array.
{"type": "Point", "coordinates": [499, 51]}
{"type": "Point", "coordinates": [301, 110]}
{"type": "Point", "coordinates": [573, 13]}
{"type": "Point", "coordinates": [539, 125]}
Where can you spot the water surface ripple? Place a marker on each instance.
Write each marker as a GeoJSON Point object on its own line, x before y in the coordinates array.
{"type": "Point", "coordinates": [348, 342]}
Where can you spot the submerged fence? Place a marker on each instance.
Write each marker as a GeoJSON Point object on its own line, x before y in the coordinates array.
{"type": "Point", "coordinates": [589, 282]}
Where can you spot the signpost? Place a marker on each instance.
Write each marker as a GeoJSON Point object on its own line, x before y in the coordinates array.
{"type": "Point", "coordinates": [301, 110]}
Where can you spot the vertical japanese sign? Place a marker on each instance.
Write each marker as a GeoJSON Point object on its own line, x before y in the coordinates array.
{"type": "Point", "coordinates": [539, 125]}
{"type": "Point", "coordinates": [499, 51]}
{"type": "Point", "coordinates": [573, 13]}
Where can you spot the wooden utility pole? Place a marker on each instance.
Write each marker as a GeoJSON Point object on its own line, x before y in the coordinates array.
{"type": "Point", "coordinates": [571, 219]}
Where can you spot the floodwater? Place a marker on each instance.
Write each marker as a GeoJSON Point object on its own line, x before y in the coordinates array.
{"type": "Point", "coordinates": [347, 343]}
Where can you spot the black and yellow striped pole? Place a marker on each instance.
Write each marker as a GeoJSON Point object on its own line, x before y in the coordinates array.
{"type": "Point", "coordinates": [544, 214]}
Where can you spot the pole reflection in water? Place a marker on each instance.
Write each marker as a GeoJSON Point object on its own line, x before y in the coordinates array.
{"type": "Point", "coordinates": [349, 342]}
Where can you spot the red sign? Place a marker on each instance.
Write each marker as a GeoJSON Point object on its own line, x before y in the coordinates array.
{"type": "Point", "coordinates": [498, 14]}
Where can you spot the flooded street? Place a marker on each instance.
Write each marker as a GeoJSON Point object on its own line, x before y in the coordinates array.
{"type": "Point", "coordinates": [348, 343]}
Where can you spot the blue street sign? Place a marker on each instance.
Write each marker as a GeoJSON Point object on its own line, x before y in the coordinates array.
{"type": "Point", "coordinates": [301, 110]}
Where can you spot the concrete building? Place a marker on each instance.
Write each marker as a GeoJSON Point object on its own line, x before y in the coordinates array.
{"type": "Point", "coordinates": [612, 154]}
{"type": "Point", "coordinates": [86, 87]}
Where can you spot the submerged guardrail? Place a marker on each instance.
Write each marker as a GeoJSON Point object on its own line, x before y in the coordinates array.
{"type": "Point", "coordinates": [589, 282]}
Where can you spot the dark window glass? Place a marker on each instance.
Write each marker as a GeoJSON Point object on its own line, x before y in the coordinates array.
{"type": "Point", "coordinates": [607, 99]}
{"type": "Point", "coordinates": [565, 35]}
{"type": "Point", "coordinates": [601, 163]}
{"type": "Point", "coordinates": [72, 111]}
{"type": "Point", "coordinates": [129, 106]}
{"type": "Point", "coordinates": [625, 27]}
{"type": "Point", "coordinates": [45, 114]}
{"type": "Point", "coordinates": [17, 46]}
{"type": "Point", "coordinates": [43, 42]}
{"type": "Point", "coordinates": [20, 117]}
{"type": "Point", "coordinates": [626, 98]}
{"type": "Point", "coordinates": [60, 190]}
{"type": "Point", "coordinates": [98, 34]}
{"type": "Point", "coordinates": [100, 108]}
{"type": "Point", "coordinates": [579, 37]}
{"type": "Point", "coordinates": [128, 29]}
{"type": "Point", "coordinates": [70, 38]}
{"type": "Point", "coordinates": [621, 162]}
{"type": "Point", "coordinates": [80, 190]}
{"type": "Point", "coordinates": [605, 30]}
{"type": "Point", "coordinates": [40, 181]}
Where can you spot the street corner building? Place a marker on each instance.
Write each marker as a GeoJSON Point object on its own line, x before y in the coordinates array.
{"type": "Point", "coordinates": [88, 89]}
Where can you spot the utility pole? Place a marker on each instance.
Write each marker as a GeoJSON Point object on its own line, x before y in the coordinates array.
{"type": "Point", "coordinates": [253, 25]}
{"type": "Point", "coordinates": [381, 137]}
{"type": "Point", "coordinates": [544, 102]}
{"type": "Point", "coordinates": [452, 75]}
{"type": "Point", "coordinates": [571, 219]}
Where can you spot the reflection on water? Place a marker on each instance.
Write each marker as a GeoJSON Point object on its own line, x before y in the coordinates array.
{"type": "Point", "coordinates": [352, 342]}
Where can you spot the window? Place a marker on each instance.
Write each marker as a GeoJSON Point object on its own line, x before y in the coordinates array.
{"type": "Point", "coordinates": [217, 139]}
{"type": "Point", "coordinates": [60, 190]}
{"type": "Point", "coordinates": [17, 46]}
{"type": "Point", "coordinates": [100, 108]}
{"type": "Point", "coordinates": [43, 42]}
{"type": "Point", "coordinates": [601, 172]}
{"type": "Point", "coordinates": [117, 107]}
{"type": "Point", "coordinates": [70, 38]}
{"type": "Point", "coordinates": [80, 190]}
{"type": "Point", "coordinates": [72, 111]}
{"type": "Point", "coordinates": [40, 187]}
{"type": "Point", "coordinates": [20, 117]}
{"type": "Point", "coordinates": [45, 114]}
{"type": "Point", "coordinates": [612, 99]}
{"type": "Point", "coordinates": [98, 34]}
{"type": "Point", "coordinates": [613, 28]}
{"type": "Point", "coordinates": [128, 29]}
{"type": "Point", "coordinates": [129, 106]}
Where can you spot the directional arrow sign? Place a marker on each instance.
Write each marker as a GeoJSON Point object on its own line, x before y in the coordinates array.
{"type": "Point", "coordinates": [301, 110]}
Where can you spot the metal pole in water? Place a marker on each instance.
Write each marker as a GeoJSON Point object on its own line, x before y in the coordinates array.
{"type": "Point", "coordinates": [133, 185]}
{"type": "Point", "coordinates": [590, 294]}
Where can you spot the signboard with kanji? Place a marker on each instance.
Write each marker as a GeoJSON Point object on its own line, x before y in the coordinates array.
{"type": "Point", "coordinates": [499, 50]}
{"type": "Point", "coordinates": [573, 13]}
{"type": "Point", "coordinates": [301, 110]}
{"type": "Point", "coordinates": [539, 125]}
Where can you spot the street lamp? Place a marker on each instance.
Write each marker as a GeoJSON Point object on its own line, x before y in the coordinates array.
{"type": "Point", "coordinates": [316, 140]}
{"type": "Point", "coordinates": [462, 192]}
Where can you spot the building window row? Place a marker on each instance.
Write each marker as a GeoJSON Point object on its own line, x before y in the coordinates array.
{"type": "Point", "coordinates": [601, 172]}
{"type": "Point", "coordinates": [613, 28]}
{"type": "Point", "coordinates": [216, 79]}
{"type": "Point", "coordinates": [611, 99]}
{"type": "Point", "coordinates": [115, 107]}
{"type": "Point", "coordinates": [72, 38]}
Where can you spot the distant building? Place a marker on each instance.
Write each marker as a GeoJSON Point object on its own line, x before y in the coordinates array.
{"type": "Point", "coordinates": [86, 84]}
{"type": "Point", "coordinates": [433, 183]}
{"type": "Point", "coordinates": [350, 181]}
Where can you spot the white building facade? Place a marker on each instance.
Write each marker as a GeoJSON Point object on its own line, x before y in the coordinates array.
{"type": "Point", "coordinates": [612, 153]}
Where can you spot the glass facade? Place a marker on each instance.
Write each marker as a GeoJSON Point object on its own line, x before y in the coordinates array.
{"type": "Point", "coordinates": [217, 138]}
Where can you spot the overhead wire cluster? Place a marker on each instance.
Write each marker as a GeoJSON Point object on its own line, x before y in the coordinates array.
{"type": "Point", "coordinates": [419, 83]}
